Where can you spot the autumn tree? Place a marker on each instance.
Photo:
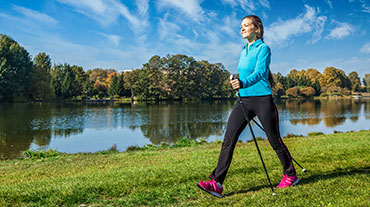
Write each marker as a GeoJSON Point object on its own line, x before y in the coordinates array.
{"type": "Point", "coordinates": [292, 78]}
{"type": "Point", "coordinates": [334, 77]}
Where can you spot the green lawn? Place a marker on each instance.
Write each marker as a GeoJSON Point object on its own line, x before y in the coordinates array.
{"type": "Point", "coordinates": [338, 165]}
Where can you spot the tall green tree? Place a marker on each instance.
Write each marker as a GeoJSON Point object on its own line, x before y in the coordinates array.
{"type": "Point", "coordinates": [64, 81]}
{"type": "Point", "coordinates": [41, 78]}
{"type": "Point", "coordinates": [80, 78]}
{"type": "Point", "coordinates": [366, 81]}
{"type": "Point", "coordinates": [15, 70]}
{"type": "Point", "coordinates": [131, 82]}
{"type": "Point", "coordinates": [355, 81]}
{"type": "Point", "coordinates": [155, 70]}
{"type": "Point", "coordinates": [116, 87]}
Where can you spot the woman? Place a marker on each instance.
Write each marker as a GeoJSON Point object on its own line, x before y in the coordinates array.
{"type": "Point", "coordinates": [254, 85]}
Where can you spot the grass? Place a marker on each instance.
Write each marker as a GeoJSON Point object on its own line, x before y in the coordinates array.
{"type": "Point", "coordinates": [338, 165]}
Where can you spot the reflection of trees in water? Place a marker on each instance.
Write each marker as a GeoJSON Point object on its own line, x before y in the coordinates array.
{"type": "Point", "coordinates": [16, 132]}
{"type": "Point", "coordinates": [303, 106]}
{"type": "Point", "coordinates": [22, 124]}
{"type": "Point", "coordinates": [366, 102]}
{"type": "Point", "coordinates": [333, 111]}
{"type": "Point", "coordinates": [167, 122]}
{"type": "Point", "coordinates": [158, 133]}
{"type": "Point", "coordinates": [313, 121]}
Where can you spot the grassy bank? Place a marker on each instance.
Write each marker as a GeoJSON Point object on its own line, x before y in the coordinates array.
{"type": "Point", "coordinates": [338, 164]}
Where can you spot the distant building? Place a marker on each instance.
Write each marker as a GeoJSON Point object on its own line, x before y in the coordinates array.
{"type": "Point", "coordinates": [124, 70]}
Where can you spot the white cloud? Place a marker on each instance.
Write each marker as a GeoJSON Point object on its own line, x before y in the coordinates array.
{"type": "Point", "coordinates": [365, 7]}
{"type": "Point", "coordinates": [341, 31]}
{"type": "Point", "coordinates": [330, 4]}
{"type": "Point", "coordinates": [365, 48]}
{"type": "Point", "coordinates": [281, 31]}
{"type": "Point", "coordinates": [107, 11]}
{"type": "Point", "coordinates": [40, 17]}
{"type": "Point", "coordinates": [248, 5]}
{"type": "Point", "coordinates": [190, 8]}
{"type": "Point", "coordinates": [114, 39]}
{"type": "Point", "coordinates": [230, 25]}
{"type": "Point", "coordinates": [265, 3]}
{"type": "Point", "coordinates": [226, 53]}
{"type": "Point", "coordinates": [167, 30]}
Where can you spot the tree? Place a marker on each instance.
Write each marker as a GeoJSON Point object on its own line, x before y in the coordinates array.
{"type": "Point", "coordinates": [80, 77]}
{"type": "Point", "coordinates": [292, 78]}
{"type": "Point", "coordinates": [279, 78]}
{"type": "Point", "coordinates": [313, 74]}
{"type": "Point", "coordinates": [366, 81]}
{"type": "Point", "coordinates": [155, 72]}
{"type": "Point", "coordinates": [279, 90]}
{"type": "Point", "coordinates": [41, 79]}
{"type": "Point", "coordinates": [130, 82]}
{"type": "Point", "coordinates": [334, 77]}
{"type": "Point", "coordinates": [355, 81]}
{"type": "Point", "coordinates": [116, 86]}
{"type": "Point", "coordinates": [15, 70]}
{"type": "Point", "coordinates": [64, 81]}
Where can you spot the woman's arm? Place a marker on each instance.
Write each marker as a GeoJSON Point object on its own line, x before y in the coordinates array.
{"type": "Point", "coordinates": [261, 70]}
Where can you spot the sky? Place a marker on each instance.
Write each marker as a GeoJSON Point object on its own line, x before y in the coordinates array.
{"type": "Point", "coordinates": [124, 34]}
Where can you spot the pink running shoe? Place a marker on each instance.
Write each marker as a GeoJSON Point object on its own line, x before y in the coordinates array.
{"type": "Point", "coordinates": [288, 181]}
{"type": "Point", "coordinates": [212, 187]}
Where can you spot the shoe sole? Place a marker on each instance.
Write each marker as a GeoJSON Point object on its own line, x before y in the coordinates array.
{"type": "Point", "coordinates": [210, 192]}
{"type": "Point", "coordinates": [296, 182]}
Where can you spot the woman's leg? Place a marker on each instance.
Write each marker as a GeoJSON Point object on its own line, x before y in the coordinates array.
{"type": "Point", "coordinates": [267, 113]}
{"type": "Point", "coordinates": [235, 126]}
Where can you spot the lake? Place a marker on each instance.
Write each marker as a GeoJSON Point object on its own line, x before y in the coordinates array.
{"type": "Point", "coordinates": [92, 127]}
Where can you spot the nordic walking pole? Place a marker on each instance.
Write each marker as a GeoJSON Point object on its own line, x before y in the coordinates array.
{"type": "Point", "coordinates": [254, 139]}
{"type": "Point", "coordinates": [303, 169]}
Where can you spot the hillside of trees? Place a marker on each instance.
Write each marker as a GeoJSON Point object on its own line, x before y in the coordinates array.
{"type": "Point", "coordinates": [23, 78]}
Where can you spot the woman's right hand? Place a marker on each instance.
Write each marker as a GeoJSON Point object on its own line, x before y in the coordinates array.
{"type": "Point", "coordinates": [235, 84]}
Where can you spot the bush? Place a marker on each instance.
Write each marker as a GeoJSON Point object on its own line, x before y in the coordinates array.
{"type": "Point", "coordinates": [293, 135]}
{"type": "Point", "coordinates": [185, 142]}
{"type": "Point", "coordinates": [315, 134]}
{"type": "Point", "coordinates": [308, 92]}
{"type": "Point", "coordinates": [40, 154]}
{"type": "Point", "coordinates": [292, 92]}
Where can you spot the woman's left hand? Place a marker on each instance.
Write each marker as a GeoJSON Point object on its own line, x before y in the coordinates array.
{"type": "Point", "coordinates": [235, 84]}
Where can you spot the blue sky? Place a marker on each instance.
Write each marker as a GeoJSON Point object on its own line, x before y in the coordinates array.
{"type": "Point", "coordinates": [124, 34]}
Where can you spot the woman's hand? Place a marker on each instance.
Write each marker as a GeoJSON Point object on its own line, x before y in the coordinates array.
{"type": "Point", "coordinates": [235, 84]}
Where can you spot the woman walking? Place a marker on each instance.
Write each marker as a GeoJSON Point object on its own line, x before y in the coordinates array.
{"type": "Point", "coordinates": [254, 85]}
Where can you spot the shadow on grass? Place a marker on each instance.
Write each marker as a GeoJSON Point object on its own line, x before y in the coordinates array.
{"type": "Point", "coordinates": [311, 179]}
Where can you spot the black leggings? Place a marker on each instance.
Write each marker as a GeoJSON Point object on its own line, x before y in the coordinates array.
{"type": "Point", "coordinates": [264, 108]}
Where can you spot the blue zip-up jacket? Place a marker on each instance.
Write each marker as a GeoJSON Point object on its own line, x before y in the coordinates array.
{"type": "Point", "coordinates": [253, 69]}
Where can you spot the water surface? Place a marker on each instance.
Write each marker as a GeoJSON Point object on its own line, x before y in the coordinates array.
{"type": "Point", "coordinates": [92, 127]}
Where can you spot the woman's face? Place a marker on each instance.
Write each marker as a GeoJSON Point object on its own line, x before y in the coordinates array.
{"type": "Point", "coordinates": [247, 29]}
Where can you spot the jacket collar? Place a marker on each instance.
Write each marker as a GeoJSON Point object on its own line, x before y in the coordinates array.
{"type": "Point", "coordinates": [254, 44]}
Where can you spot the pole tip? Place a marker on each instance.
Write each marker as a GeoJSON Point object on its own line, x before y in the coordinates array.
{"type": "Point", "coordinates": [304, 170]}
{"type": "Point", "coordinates": [274, 194]}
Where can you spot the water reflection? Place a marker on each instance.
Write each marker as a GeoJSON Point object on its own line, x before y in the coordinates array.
{"type": "Point", "coordinates": [80, 127]}
{"type": "Point", "coordinates": [331, 112]}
